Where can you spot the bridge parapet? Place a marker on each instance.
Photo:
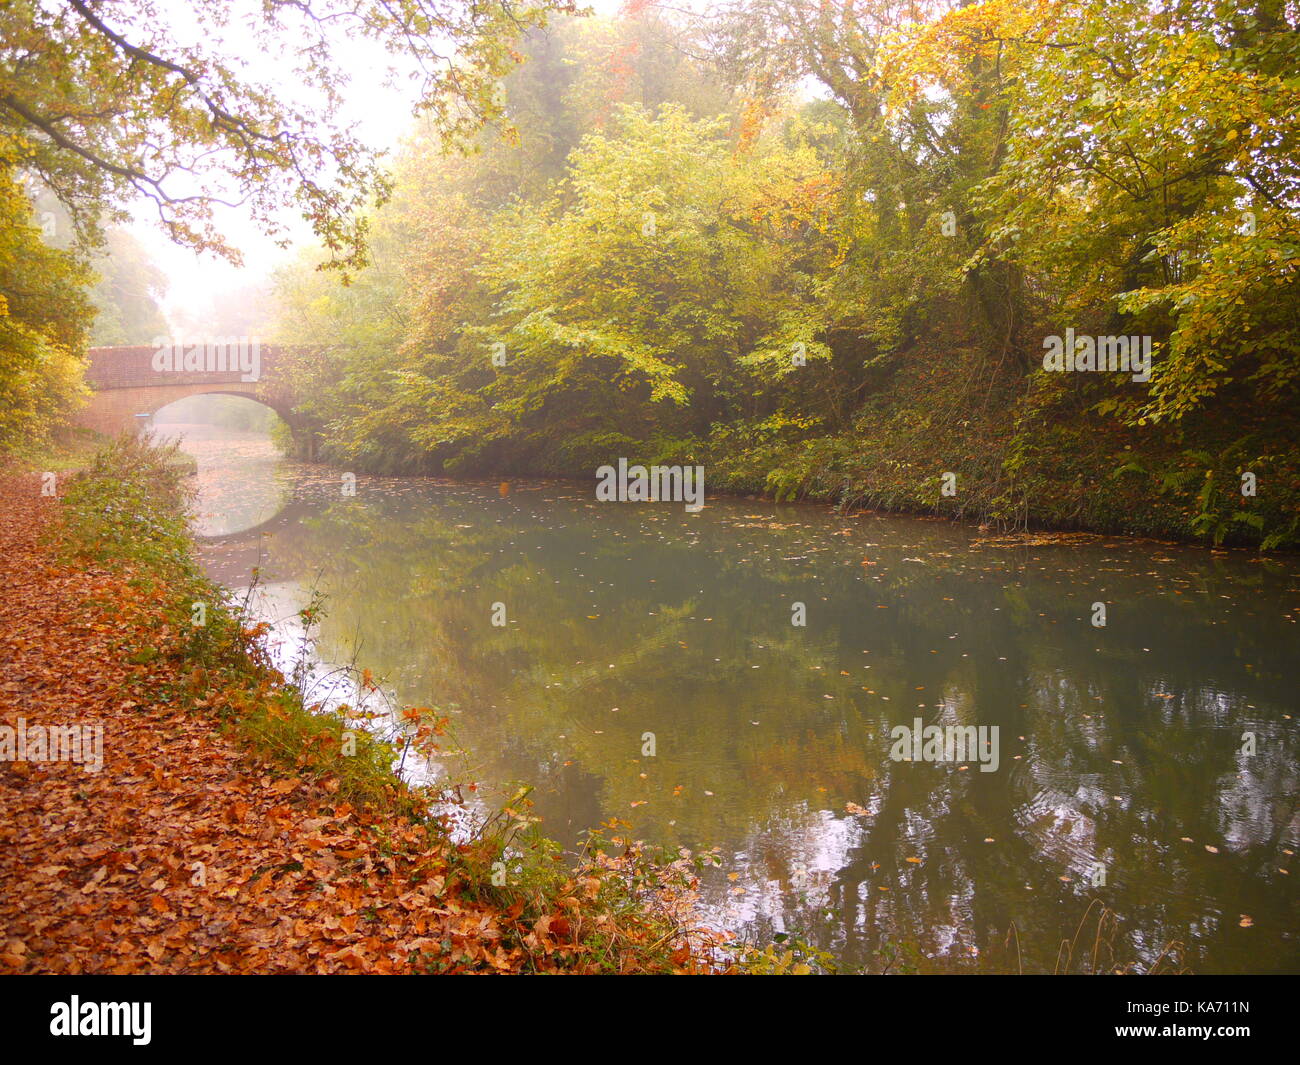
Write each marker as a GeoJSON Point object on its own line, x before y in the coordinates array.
{"type": "Point", "coordinates": [142, 365]}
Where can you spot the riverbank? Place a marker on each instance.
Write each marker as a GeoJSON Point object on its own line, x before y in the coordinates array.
{"type": "Point", "coordinates": [221, 826]}
{"type": "Point", "coordinates": [972, 442]}
{"type": "Point", "coordinates": [1030, 456]}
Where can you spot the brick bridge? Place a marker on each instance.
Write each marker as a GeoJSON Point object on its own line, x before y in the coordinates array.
{"type": "Point", "coordinates": [131, 384]}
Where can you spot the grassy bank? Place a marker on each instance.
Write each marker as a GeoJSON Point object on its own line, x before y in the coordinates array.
{"type": "Point", "coordinates": [501, 899]}
{"type": "Point", "coordinates": [1036, 458]}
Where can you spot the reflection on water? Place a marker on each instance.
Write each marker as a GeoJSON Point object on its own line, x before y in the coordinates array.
{"type": "Point", "coordinates": [241, 481]}
{"type": "Point", "coordinates": [1121, 747]}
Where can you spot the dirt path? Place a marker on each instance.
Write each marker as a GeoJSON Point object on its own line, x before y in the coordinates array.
{"type": "Point", "coordinates": [183, 854]}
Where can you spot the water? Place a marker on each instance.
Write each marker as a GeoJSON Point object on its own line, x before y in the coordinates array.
{"type": "Point", "coordinates": [1121, 747]}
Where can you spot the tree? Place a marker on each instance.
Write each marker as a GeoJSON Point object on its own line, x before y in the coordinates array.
{"type": "Point", "coordinates": [44, 318]}
{"type": "Point", "coordinates": [103, 101]}
{"type": "Point", "coordinates": [111, 99]}
{"type": "Point", "coordinates": [126, 294]}
{"type": "Point", "coordinates": [1149, 182]}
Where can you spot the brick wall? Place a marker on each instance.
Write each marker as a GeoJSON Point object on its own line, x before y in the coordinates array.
{"type": "Point", "coordinates": [131, 367]}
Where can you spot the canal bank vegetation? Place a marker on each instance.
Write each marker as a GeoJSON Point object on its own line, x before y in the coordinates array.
{"type": "Point", "coordinates": [497, 898]}
{"type": "Point", "coordinates": [824, 250]}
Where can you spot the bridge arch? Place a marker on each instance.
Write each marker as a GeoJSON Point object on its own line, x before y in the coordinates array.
{"type": "Point", "coordinates": [128, 388]}
{"type": "Point", "coordinates": [285, 413]}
